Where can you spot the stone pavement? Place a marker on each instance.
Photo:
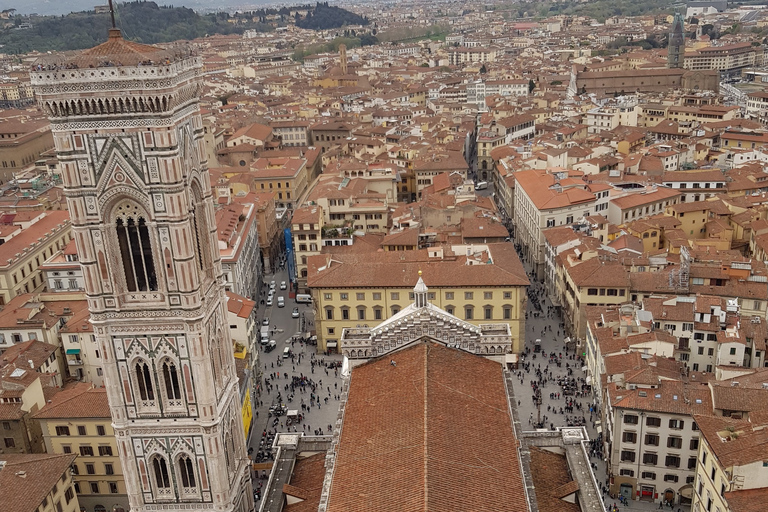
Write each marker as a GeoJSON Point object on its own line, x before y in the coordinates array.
{"type": "Point", "coordinates": [547, 325]}
{"type": "Point", "coordinates": [325, 415]}
{"type": "Point", "coordinates": [327, 382]}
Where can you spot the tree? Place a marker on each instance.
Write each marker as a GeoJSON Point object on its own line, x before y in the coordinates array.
{"type": "Point", "coordinates": [531, 86]}
{"type": "Point", "coordinates": [483, 70]}
{"type": "Point", "coordinates": [711, 31]}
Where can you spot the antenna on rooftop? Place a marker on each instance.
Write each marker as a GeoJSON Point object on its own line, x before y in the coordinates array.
{"type": "Point", "coordinates": [112, 13]}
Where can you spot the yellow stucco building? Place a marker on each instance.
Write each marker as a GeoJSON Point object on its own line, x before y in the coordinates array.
{"type": "Point", "coordinates": [477, 283]}
{"type": "Point", "coordinates": [77, 421]}
{"type": "Point", "coordinates": [33, 237]}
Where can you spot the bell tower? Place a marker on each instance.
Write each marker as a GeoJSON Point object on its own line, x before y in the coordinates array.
{"type": "Point", "coordinates": [676, 44]}
{"type": "Point", "coordinates": [129, 139]}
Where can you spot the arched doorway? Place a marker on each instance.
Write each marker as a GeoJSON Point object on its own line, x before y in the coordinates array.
{"type": "Point", "coordinates": [669, 496]}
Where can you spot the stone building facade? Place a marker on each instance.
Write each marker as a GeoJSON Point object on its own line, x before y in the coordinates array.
{"type": "Point", "coordinates": [422, 319]}
{"type": "Point", "coordinates": [129, 137]}
{"type": "Point", "coordinates": [630, 81]}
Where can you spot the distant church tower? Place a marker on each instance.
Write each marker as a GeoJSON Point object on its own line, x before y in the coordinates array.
{"type": "Point", "coordinates": [343, 58]}
{"type": "Point", "coordinates": [129, 138]}
{"type": "Point", "coordinates": [676, 43]}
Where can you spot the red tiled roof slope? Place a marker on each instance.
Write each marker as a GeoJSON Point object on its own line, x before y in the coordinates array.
{"type": "Point", "coordinates": [416, 432]}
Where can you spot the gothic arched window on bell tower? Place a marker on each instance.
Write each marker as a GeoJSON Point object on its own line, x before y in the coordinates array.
{"type": "Point", "coordinates": [215, 352]}
{"type": "Point", "coordinates": [186, 471]}
{"type": "Point", "coordinates": [135, 249]}
{"type": "Point", "coordinates": [160, 470]}
{"type": "Point", "coordinates": [229, 451]}
{"type": "Point", "coordinates": [202, 231]}
{"type": "Point", "coordinates": [171, 381]}
{"type": "Point", "coordinates": [144, 381]}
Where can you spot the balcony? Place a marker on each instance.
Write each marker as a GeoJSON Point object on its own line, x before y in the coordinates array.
{"type": "Point", "coordinates": [336, 231]}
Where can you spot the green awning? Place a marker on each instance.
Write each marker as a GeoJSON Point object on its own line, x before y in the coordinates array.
{"type": "Point", "coordinates": [73, 351]}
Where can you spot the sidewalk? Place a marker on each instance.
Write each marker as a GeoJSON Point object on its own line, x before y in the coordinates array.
{"type": "Point", "coordinates": [548, 327]}
{"type": "Point", "coordinates": [648, 506]}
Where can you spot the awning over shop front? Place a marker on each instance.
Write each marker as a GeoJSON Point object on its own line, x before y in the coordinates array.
{"type": "Point", "coordinates": [71, 351]}
{"type": "Point", "coordinates": [331, 344]}
{"type": "Point", "coordinates": [511, 358]}
{"type": "Point", "coordinates": [686, 491]}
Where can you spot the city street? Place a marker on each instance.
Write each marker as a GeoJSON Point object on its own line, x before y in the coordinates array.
{"type": "Point", "coordinates": [320, 414]}
{"type": "Point", "coordinates": [278, 374]}
{"type": "Point", "coordinates": [546, 324]}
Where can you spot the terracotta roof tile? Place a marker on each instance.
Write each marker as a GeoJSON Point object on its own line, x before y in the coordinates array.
{"type": "Point", "coordinates": [539, 187]}
{"type": "Point", "coordinates": [79, 401]}
{"type": "Point", "coordinates": [748, 445]}
{"type": "Point", "coordinates": [552, 481]}
{"type": "Point", "coordinates": [40, 473]}
{"type": "Point", "coordinates": [432, 432]}
{"type": "Point", "coordinates": [122, 53]}
{"type": "Point", "coordinates": [307, 478]}
{"type": "Point", "coordinates": [748, 500]}
{"type": "Point", "coordinates": [401, 269]}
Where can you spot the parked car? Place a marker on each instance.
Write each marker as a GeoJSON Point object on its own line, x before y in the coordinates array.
{"type": "Point", "coordinates": [283, 286]}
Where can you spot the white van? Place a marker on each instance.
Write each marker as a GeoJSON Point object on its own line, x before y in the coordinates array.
{"type": "Point", "coordinates": [286, 353]}
{"type": "Point", "coordinates": [264, 334]}
{"type": "Point", "coordinates": [303, 298]}
{"type": "Point", "coordinates": [481, 185]}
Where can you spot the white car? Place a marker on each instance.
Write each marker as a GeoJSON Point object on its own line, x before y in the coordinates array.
{"type": "Point", "coordinates": [283, 285]}
{"type": "Point", "coordinates": [271, 285]}
{"type": "Point", "coordinates": [269, 300]}
{"type": "Point", "coordinates": [295, 313]}
{"type": "Point", "coordinates": [265, 321]}
{"type": "Point", "coordinates": [280, 302]}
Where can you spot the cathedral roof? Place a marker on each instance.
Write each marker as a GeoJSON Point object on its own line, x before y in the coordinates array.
{"type": "Point", "coordinates": [396, 417]}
